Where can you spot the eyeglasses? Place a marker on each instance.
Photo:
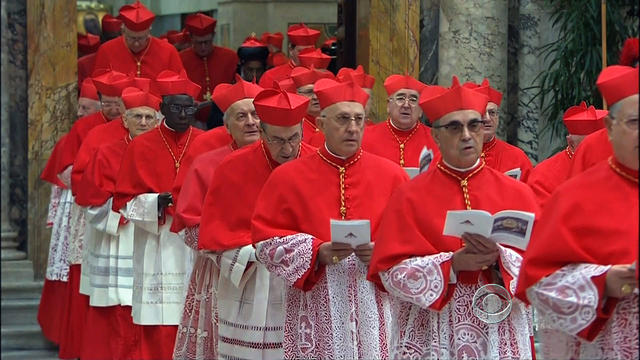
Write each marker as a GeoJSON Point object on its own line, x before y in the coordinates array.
{"type": "Point", "coordinates": [109, 104]}
{"type": "Point", "coordinates": [293, 141]}
{"type": "Point", "coordinates": [493, 113]}
{"type": "Point", "coordinates": [402, 99]}
{"type": "Point", "coordinates": [345, 119]}
{"type": "Point", "coordinates": [631, 123]}
{"type": "Point", "coordinates": [455, 127]}
{"type": "Point", "coordinates": [188, 109]}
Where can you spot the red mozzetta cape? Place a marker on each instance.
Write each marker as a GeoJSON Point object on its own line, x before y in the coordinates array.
{"type": "Point", "coordinates": [191, 190]}
{"type": "Point", "coordinates": [101, 134]}
{"type": "Point", "coordinates": [379, 139]}
{"type": "Point", "coordinates": [310, 132]}
{"type": "Point", "coordinates": [413, 222]}
{"type": "Point", "coordinates": [549, 174]}
{"type": "Point", "coordinates": [592, 150]}
{"type": "Point", "coordinates": [51, 169]}
{"type": "Point", "coordinates": [277, 73]}
{"type": "Point", "coordinates": [159, 56]}
{"type": "Point", "coordinates": [221, 67]}
{"type": "Point", "coordinates": [86, 65]}
{"type": "Point", "coordinates": [593, 219]}
{"type": "Point", "coordinates": [304, 195]}
{"type": "Point", "coordinates": [503, 157]}
{"type": "Point", "coordinates": [232, 196]}
{"type": "Point", "coordinates": [100, 175]}
{"type": "Point", "coordinates": [148, 166]}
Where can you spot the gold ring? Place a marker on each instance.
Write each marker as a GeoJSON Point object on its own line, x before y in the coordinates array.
{"type": "Point", "coordinates": [335, 259]}
{"type": "Point", "coordinates": [626, 289]}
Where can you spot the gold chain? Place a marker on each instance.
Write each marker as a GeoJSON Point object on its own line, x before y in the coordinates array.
{"type": "Point", "coordinates": [620, 172]}
{"type": "Point", "coordinates": [482, 155]}
{"type": "Point", "coordinates": [315, 128]}
{"type": "Point", "coordinates": [464, 183]}
{"type": "Point", "coordinates": [343, 174]}
{"type": "Point", "coordinates": [570, 153]}
{"type": "Point", "coordinates": [401, 143]}
{"type": "Point", "coordinates": [138, 61]}
{"type": "Point", "coordinates": [176, 161]}
{"type": "Point", "coordinates": [207, 95]}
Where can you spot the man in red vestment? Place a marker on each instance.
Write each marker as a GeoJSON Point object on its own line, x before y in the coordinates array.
{"type": "Point", "coordinates": [136, 51]}
{"type": "Point", "coordinates": [253, 59]}
{"type": "Point", "coordinates": [499, 154]}
{"type": "Point", "coordinates": [300, 37]}
{"type": "Point", "coordinates": [331, 309]}
{"type": "Point", "coordinates": [431, 277]}
{"type": "Point", "coordinates": [88, 101]}
{"type": "Point", "coordinates": [580, 270]}
{"type": "Point", "coordinates": [402, 137]}
{"type": "Point", "coordinates": [274, 42]}
{"type": "Point", "coordinates": [110, 332]}
{"type": "Point", "coordinates": [304, 78]}
{"type": "Point", "coordinates": [545, 177]}
{"type": "Point", "coordinates": [88, 44]}
{"type": "Point", "coordinates": [362, 79]}
{"type": "Point", "coordinates": [143, 196]}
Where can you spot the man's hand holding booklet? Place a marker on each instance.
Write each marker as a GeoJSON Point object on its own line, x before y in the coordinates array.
{"type": "Point", "coordinates": [507, 227]}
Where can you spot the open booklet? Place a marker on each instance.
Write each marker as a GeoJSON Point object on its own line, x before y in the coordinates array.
{"type": "Point", "coordinates": [353, 232]}
{"type": "Point", "coordinates": [425, 159]}
{"type": "Point", "coordinates": [508, 227]}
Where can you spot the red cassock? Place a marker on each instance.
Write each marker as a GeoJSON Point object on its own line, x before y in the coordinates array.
{"type": "Point", "coordinates": [592, 150]}
{"type": "Point", "coordinates": [310, 132]}
{"type": "Point", "coordinates": [385, 140]}
{"type": "Point", "coordinates": [311, 198]}
{"type": "Point", "coordinates": [150, 167]}
{"type": "Point", "coordinates": [416, 215]}
{"type": "Point", "coordinates": [101, 134]}
{"type": "Point", "coordinates": [158, 56]}
{"type": "Point", "coordinates": [192, 189]}
{"type": "Point", "coordinates": [52, 168]}
{"type": "Point", "coordinates": [277, 73]}
{"type": "Point", "coordinates": [75, 137]}
{"type": "Point", "coordinates": [590, 219]}
{"type": "Point", "coordinates": [503, 157]}
{"type": "Point", "coordinates": [86, 65]}
{"type": "Point", "coordinates": [102, 170]}
{"type": "Point", "coordinates": [545, 177]}
{"type": "Point", "coordinates": [220, 67]}
{"type": "Point", "coordinates": [227, 210]}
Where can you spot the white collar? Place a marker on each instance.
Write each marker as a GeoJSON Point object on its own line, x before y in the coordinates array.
{"type": "Point", "coordinates": [167, 126]}
{"type": "Point", "coordinates": [338, 156]}
{"type": "Point", "coordinates": [397, 128]}
{"type": "Point", "coordinates": [462, 170]}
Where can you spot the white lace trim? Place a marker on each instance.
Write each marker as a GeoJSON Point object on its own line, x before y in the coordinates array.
{"type": "Point", "coordinates": [191, 236]}
{"type": "Point", "coordinates": [511, 261]}
{"type": "Point", "coordinates": [57, 263]}
{"type": "Point", "coordinates": [288, 257]}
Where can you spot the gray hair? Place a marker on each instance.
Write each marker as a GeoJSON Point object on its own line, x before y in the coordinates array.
{"type": "Point", "coordinates": [613, 110]}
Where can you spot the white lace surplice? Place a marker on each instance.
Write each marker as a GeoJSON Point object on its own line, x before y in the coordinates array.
{"type": "Point", "coordinates": [160, 264]}
{"type": "Point", "coordinates": [454, 332]}
{"type": "Point", "coordinates": [77, 226]}
{"type": "Point", "coordinates": [57, 264]}
{"type": "Point", "coordinates": [343, 317]}
{"type": "Point", "coordinates": [566, 303]}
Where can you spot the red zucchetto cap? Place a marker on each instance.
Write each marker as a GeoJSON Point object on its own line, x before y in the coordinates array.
{"type": "Point", "coordinates": [200, 24]}
{"type": "Point", "coordinates": [396, 82]}
{"type": "Point", "coordinates": [358, 76]}
{"type": "Point", "coordinates": [329, 42]}
{"type": "Point", "coordinates": [88, 43]}
{"type": "Point", "coordinates": [136, 17]}
{"type": "Point", "coordinates": [583, 120]}
{"type": "Point", "coordinates": [224, 95]}
{"type": "Point", "coordinates": [330, 92]}
{"type": "Point", "coordinates": [437, 101]}
{"type": "Point", "coordinates": [177, 37]}
{"type": "Point", "coordinates": [171, 83]}
{"type": "Point", "coordinates": [314, 57]}
{"type": "Point", "coordinates": [111, 23]}
{"type": "Point", "coordinates": [287, 85]}
{"type": "Point", "coordinates": [630, 52]}
{"type": "Point", "coordinates": [302, 76]}
{"type": "Point", "coordinates": [280, 108]}
{"type": "Point", "coordinates": [132, 97]}
{"type": "Point", "coordinates": [88, 90]}
{"type": "Point", "coordinates": [274, 39]}
{"type": "Point", "coordinates": [617, 82]}
{"type": "Point", "coordinates": [111, 83]}
{"type": "Point", "coordinates": [300, 34]}
{"type": "Point", "coordinates": [494, 95]}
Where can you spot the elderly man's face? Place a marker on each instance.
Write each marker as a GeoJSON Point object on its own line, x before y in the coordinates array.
{"type": "Point", "coordinates": [87, 106]}
{"type": "Point", "coordinates": [459, 136]}
{"type": "Point", "coordinates": [491, 119]}
{"type": "Point", "coordinates": [136, 40]}
{"type": "Point", "coordinates": [403, 108]}
{"type": "Point", "coordinates": [252, 69]}
{"type": "Point", "coordinates": [314, 105]}
{"type": "Point", "coordinates": [112, 106]}
{"type": "Point", "coordinates": [178, 111]}
{"type": "Point", "coordinates": [623, 131]}
{"type": "Point", "coordinates": [242, 122]}
{"type": "Point", "coordinates": [295, 50]}
{"type": "Point", "coordinates": [283, 142]}
{"type": "Point", "coordinates": [342, 125]}
{"type": "Point", "coordinates": [140, 120]}
{"type": "Point", "coordinates": [202, 45]}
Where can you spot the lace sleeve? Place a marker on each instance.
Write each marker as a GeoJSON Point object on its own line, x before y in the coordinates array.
{"type": "Point", "coordinates": [54, 203]}
{"type": "Point", "coordinates": [568, 299]}
{"type": "Point", "coordinates": [418, 280]}
{"type": "Point", "coordinates": [191, 236]}
{"type": "Point", "coordinates": [288, 257]}
{"type": "Point", "coordinates": [142, 210]}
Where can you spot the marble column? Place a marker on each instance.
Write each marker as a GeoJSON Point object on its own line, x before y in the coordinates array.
{"type": "Point", "coordinates": [473, 44]}
{"type": "Point", "coordinates": [52, 56]}
{"type": "Point", "coordinates": [429, 35]}
{"type": "Point", "coordinates": [388, 43]}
